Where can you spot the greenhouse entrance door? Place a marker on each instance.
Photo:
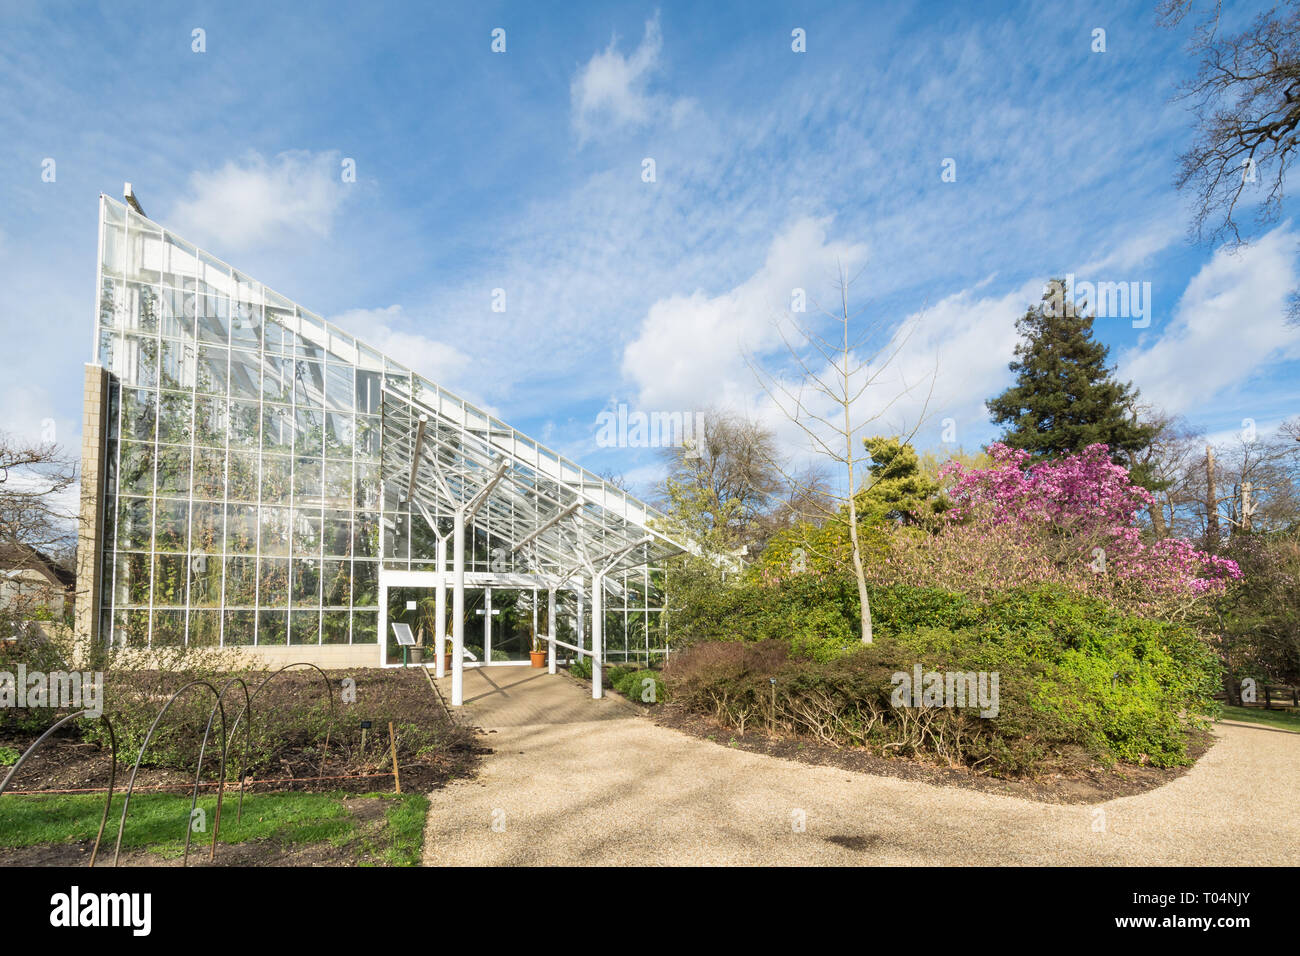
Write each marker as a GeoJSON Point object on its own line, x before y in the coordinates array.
{"type": "Point", "coordinates": [499, 621]}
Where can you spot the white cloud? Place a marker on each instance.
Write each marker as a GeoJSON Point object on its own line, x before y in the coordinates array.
{"type": "Point", "coordinates": [1229, 324]}
{"type": "Point", "coordinates": [253, 200]}
{"type": "Point", "coordinates": [690, 351]}
{"type": "Point", "coordinates": [1135, 252]}
{"type": "Point", "coordinates": [610, 91]}
{"type": "Point", "coordinates": [389, 331]}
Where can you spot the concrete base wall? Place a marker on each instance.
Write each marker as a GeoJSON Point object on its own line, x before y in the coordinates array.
{"type": "Point", "coordinates": [325, 656]}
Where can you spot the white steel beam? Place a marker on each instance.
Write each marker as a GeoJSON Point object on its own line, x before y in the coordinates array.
{"type": "Point", "coordinates": [458, 609]}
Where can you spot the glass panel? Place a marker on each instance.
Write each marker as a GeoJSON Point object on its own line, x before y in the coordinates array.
{"type": "Point", "coordinates": [213, 319]}
{"type": "Point", "coordinates": [277, 380]}
{"type": "Point", "coordinates": [334, 627]}
{"type": "Point", "coordinates": [132, 586]}
{"type": "Point", "coordinates": [211, 417]}
{"type": "Point", "coordinates": [242, 482]}
{"type": "Point", "coordinates": [273, 582]}
{"type": "Point", "coordinates": [339, 387]}
{"type": "Point", "coordinates": [246, 325]}
{"type": "Point", "coordinates": [177, 314]}
{"type": "Point", "coordinates": [135, 475]}
{"type": "Point", "coordinates": [134, 523]}
{"type": "Point", "coordinates": [174, 412]}
{"type": "Point", "coordinates": [241, 528]}
{"type": "Point", "coordinates": [245, 424]}
{"type": "Point", "coordinates": [205, 580]}
{"type": "Point", "coordinates": [276, 479]}
{"type": "Point", "coordinates": [304, 586]}
{"type": "Point", "coordinates": [365, 628]}
{"type": "Point", "coordinates": [172, 525]}
{"type": "Point", "coordinates": [241, 582]}
{"type": "Point", "coordinates": [131, 628]}
{"type": "Point", "coordinates": [275, 530]}
{"type": "Point", "coordinates": [272, 627]}
{"type": "Point", "coordinates": [168, 629]}
{"type": "Point", "coordinates": [239, 628]}
{"type": "Point", "coordinates": [305, 627]}
{"type": "Point", "coordinates": [169, 572]}
{"type": "Point", "coordinates": [277, 428]}
{"type": "Point", "coordinates": [178, 364]}
{"type": "Point", "coordinates": [174, 470]}
{"type": "Point", "coordinates": [512, 624]}
{"type": "Point", "coordinates": [245, 375]}
{"type": "Point", "coordinates": [365, 583]}
{"type": "Point", "coordinates": [139, 413]}
{"type": "Point", "coordinates": [336, 583]}
{"type": "Point", "coordinates": [309, 384]}
{"type": "Point", "coordinates": [205, 628]}
{"type": "Point", "coordinates": [307, 476]}
{"type": "Point", "coordinates": [207, 536]}
{"type": "Point", "coordinates": [338, 483]}
{"type": "Point", "coordinates": [338, 533]}
{"type": "Point", "coordinates": [213, 360]}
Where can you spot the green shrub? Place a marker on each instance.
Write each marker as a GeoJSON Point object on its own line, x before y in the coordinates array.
{"type": "Point", "coordinates": [581, 668]}
{"type": "Point", "coordinates": [1075, 675]}
{"type": "Point", "coordinates": [631, 683]}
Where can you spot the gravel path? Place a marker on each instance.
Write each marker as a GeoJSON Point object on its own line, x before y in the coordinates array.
{"type": "Point", "coordinates": [599, 783]}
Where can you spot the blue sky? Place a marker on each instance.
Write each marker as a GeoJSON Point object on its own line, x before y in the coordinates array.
{"type": "Point", "coordinates": [522, 171]}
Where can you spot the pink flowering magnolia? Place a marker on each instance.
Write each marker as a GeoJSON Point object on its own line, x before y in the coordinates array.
{"type": "Point", "coordinates": [1088, 499]}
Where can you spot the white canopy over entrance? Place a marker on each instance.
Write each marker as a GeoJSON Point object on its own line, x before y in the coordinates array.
{"type": "Point", "coordinates": [555, 526]}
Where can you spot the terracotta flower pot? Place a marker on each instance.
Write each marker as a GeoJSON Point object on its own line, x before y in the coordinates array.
{"type": "Point", "coordinates": [538, 658]}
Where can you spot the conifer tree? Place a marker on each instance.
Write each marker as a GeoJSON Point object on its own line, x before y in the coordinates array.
{"type": "Point", "coordinates": [1065, 397]}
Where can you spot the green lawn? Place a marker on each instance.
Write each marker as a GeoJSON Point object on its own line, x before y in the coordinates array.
{"type": "Point", "coordinates": [1271, 718]}
{"type": "Point", "coordinates": [157, 821]}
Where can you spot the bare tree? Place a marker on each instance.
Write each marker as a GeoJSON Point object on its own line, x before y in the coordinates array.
{"type": "Point", "coordinates": [33, 511]}
{"type": "Point", "coordinates": [37, 530]}
{"type": "Point", "coordinates": [1246, 99]}
{"type": "Point", "coordinates": [1255, 482]}
{"type": "Point", "coordinates": [838, 377]}
{"type": "Point", "coordinates": [1167, 465]}
{"type": "Point", "coordinates": [728, 469]}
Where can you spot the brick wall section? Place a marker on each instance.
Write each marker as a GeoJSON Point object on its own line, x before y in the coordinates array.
{"type": "Point", "coordinates": [90, 525]}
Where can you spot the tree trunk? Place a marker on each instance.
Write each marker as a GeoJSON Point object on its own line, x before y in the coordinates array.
{"type": "Point", "coordinates": [859, 572]}
{"type": "Point", "coordinates": [1211, 504]}
{"type": "Point", "coordinates": [1158, 520]}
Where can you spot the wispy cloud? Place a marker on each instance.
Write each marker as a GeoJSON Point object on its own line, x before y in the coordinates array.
{"type": "Point", "coordinates": [611, 91]}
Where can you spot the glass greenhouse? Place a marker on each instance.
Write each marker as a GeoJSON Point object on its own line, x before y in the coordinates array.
{"type": "Point", "coordinates": [257, 478]}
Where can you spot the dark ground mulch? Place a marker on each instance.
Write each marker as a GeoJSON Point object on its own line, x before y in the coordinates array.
{"type": "Point", "coordinates": [1076, 782]}
{"type": "Point", "coordinates": [442, 750]}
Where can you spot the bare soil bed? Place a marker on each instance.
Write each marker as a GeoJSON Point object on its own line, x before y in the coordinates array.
{"type": "Point", "coordinates": [431, 750]}
{"type": "Point", "coordinates": [1075, 781]}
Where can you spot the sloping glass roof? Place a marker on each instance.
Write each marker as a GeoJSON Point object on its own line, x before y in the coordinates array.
{"type": "Point", "coordinates": [437, 448]}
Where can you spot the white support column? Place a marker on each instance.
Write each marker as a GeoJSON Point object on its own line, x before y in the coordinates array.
{"type": "Point", "coordinates": [458, 609]}
{"type": "Point", "coordinates": [383, 614]}
{"type": "Point", "coordinates": [440, 609]}
{"type": "Point", "coordinates": [597, 634]}
{"type": "Point", "coordinates": [582, 620]}
{"type": "Point", "coordinates": [550, 629]}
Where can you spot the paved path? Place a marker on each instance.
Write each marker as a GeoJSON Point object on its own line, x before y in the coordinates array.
{"type": "Point", "coordinates": [581, 781]}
